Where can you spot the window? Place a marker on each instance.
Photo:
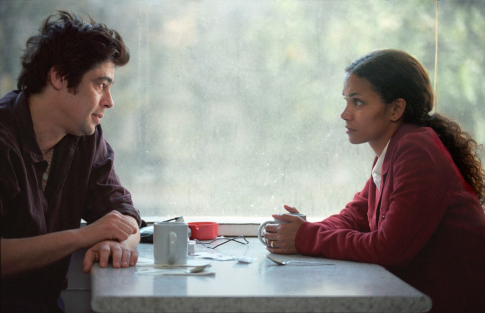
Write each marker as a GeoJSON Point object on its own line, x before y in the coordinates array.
{"type": "Point", "coordinates": [232, 108]}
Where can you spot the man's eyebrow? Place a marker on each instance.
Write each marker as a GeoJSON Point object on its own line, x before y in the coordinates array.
{"type": "Point", "coordinates": [107, 79]}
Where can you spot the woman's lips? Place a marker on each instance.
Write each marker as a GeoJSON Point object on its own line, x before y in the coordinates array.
{"type": "Point", "coordinates": [349, 130]}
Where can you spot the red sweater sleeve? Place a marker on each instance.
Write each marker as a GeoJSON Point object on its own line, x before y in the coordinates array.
{"type": "Point", "coordinates": [414, 199]}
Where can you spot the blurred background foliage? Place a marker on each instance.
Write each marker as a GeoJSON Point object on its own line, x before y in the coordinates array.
{"type": "Point", "coordinates": [232, 107]}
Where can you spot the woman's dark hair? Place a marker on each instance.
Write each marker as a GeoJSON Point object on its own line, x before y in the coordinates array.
{"type": "Point", "coordinates": [395, 74]}
{"type": "Point", "coordinates": [71, 45]}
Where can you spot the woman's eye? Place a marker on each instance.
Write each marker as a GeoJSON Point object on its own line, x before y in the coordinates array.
{"type": "Point", "coordinates": [358, 102]}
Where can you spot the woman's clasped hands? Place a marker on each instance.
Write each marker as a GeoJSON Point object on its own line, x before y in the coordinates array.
{"type": "Point", "coordinates": [281, 237]}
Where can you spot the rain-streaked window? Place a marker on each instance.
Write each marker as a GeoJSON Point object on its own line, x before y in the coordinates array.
{"type": "Point", "coordinates": [232, 108]}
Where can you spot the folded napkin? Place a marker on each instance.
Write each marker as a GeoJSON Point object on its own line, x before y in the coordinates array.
{"type": "Point", "coordinates": [146, 262]}
{"type": "Point", "coordinates": [174, 272]}
{"type": "Point", "coordinates": [220, 257]}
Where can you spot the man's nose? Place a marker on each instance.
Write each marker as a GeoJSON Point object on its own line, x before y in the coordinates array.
{"type": "Point", "coordinates": [107, 101]}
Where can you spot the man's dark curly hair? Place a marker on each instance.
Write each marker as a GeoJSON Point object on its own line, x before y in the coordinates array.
{"type": "Point", "coordinates": [396, 74]}
{"type": "Point", "coordinates": [73, 47]}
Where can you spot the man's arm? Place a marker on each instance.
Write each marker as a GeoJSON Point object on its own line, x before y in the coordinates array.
{"type": "Point", "coordinates": [28, 254]}
{"type": "Point", "coordinates": [123, 253]}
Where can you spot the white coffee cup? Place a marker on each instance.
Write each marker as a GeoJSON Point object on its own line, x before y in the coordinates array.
{"type": "Point", "coordinates": [170, 243]}
{"type": "Point", "coordinates": [275, 221]}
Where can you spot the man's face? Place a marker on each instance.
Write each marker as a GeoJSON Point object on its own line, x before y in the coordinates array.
{"type": "Point", "coordinates": [85, 107]}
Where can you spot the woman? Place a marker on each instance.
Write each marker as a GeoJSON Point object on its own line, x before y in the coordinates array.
{"type": "Point", "coordinates": [420, 214]}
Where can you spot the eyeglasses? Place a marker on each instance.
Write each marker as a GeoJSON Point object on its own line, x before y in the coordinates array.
{"type": "Point", "coordinates": [239, 239]}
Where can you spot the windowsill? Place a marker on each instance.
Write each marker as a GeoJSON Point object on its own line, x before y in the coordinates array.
{"type": "Point", "coordinates": [218, 219]}
{"type": "Point", "coordinates": [228, 225]}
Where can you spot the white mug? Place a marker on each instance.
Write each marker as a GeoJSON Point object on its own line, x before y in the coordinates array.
{"type": "Point", "coordinates": [170, 243]}
{"type": "Point", "coordinates": [276, 221]}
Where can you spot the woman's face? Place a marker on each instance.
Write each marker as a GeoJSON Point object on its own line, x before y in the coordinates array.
{"type": "Point", "coordinates": [367, 118]}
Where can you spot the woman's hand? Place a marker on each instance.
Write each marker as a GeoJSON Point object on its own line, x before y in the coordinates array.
{"type": "Point", "coordinates": [281, 237]}
{"type": "Point", "coordinates": [291, 209]}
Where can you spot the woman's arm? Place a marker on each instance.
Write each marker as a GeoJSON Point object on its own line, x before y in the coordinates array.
{"type": "Point", "coordinates": [283, 236]}
{"type": "Point", "coordinates": [413, 203]}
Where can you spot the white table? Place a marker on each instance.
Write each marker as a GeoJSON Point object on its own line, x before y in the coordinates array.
{"type": "Point", "coordinates": [260, 286]}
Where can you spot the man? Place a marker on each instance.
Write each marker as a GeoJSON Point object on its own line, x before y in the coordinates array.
{"type": "Point", "coordinates": [56, 168]}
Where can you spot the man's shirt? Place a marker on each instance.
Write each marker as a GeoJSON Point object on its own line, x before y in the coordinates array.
{"type": "Point", "coordinates": [82, 184]}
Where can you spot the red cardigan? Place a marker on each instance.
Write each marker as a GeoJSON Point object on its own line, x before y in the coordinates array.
{"type": "Point", "coordinates": [426, 226]}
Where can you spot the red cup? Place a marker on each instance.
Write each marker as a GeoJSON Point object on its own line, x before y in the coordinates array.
{"type": "Point", "coordinates": [203, 230]}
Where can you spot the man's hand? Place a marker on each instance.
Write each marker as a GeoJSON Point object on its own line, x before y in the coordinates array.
{"type": "Point", "coordinates": [114, 235]}
{"type": "Point", "coordinates": [119, 238]}
{"type": "Point", "coordinates": [113, 226]}
{"type": "Point", "coordinates": [101, 252]}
